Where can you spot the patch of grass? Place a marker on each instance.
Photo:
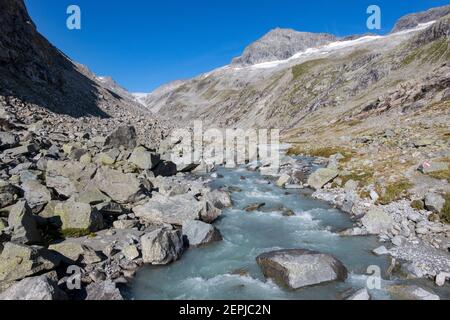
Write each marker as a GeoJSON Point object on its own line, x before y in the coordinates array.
{"type": "Point", "coordinates": [353, 123]}
{"type": "Point", "coordinates": [325, 152]}
{"type": "Point", "coordinates": [433, 52]}
{"type": "Point", "coordinates": [75, 233]}
{"type": "Point", "coordinates": [394, 191]}
{"type": "Point", "coordinates": [363, 176]}
{"type": "Point", "coordinates": [418, 205]}
{"type": "Point", "coordinates": [302, 69]}
{"type": "Point", "coordinates": [445, 214]}
{"type": "Point", "coordinates": [441, 175]}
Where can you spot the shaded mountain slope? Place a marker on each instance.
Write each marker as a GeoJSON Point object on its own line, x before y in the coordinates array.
{"type": "Point", "coordinates": [32, 69]}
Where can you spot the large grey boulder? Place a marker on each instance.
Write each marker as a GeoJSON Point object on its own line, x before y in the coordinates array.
{"type": "Point", "coordinates": [161, 246]}
{"type": "Point", "coordinates": [41, 288]}
{"type": "Point", "coordinates": [122, 137]}
{"type": "Point", "coordinates": [120, 187]}
{"type": "Point", "coordinates": [210, 213]}
{"type": "Point", "coordinates": [199, 233]}
{"type": "Point", "coordinates": [26, 149]}
{"type": "Point", "coordinates": [171, 210]}
{"type": "Point", "coordinates": [433, 166]}
{"type": "Point", "coordinates": [144, 159]}
{"type": "Point", "coordinates": [68, 177]}
{"type": "Point", "coordinates": [78, 216]}
{"type": "Point", "coordinates": [8, 140]}
{"type": "Point", "coordinates": [322, 177]}
{"type": "Point", "coordinates": [36, 195]}
{"type": "Point", "coordinates": [169, 186]}
{"type": "Point", "coordinates": [299, 268]}
{"type": "Point", "coordinates": [21, 219]}
{"type": "Point", "coordinates": [377, 221]}
{"type": "Point", "coordinates": [219, 199]}
{"type": "Point", "coordinates": [411, 292]}
{"type": "Point", "coordinates": [434, 202]}
{"type": "Point", "coordinates": [76, 252]}
{"type": "Point", "coordinates": [8, 194]}
{"type": "Point", "coordinates": [20, 261]}
{"type": "Point", "coordinates": [103, 291]}
{"type": "Point", "coordinates": [90, 194]}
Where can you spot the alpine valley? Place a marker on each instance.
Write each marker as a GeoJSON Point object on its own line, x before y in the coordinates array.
{"type": "Point", "coordinates": [94, 206]}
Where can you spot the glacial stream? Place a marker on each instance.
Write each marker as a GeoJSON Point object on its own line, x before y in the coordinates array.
{"type": "Point", "coordinates": [228, 270]}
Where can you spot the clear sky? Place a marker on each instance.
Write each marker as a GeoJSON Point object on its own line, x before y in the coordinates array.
{"type": "Point", "coordinates": [145, 43]}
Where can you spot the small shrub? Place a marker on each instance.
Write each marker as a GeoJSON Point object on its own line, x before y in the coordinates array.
{"type": "Point", "coordinates": [445, 214]}
{"type": "Point", "coordinates": [75, 233]}
{"type": "Point", "coordinates": [363, 176]}
{"type": "Point", "coordinates": [394, 191]}
{"type": "Point", "coordinates": [418, 205]}
{"type": "Point", "coordinates": [325, 152]}
{"type": "Point", "coordinates": [441, 175]}
{"type": "Point", "coordinates": [302, 69]}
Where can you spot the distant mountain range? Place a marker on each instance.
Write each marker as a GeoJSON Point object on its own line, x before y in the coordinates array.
{"type": "Point", "coordinates": [290, 79]}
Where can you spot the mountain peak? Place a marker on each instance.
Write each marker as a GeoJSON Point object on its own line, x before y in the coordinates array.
{"type": "Point", "coordinates": [280, 44]}
{"type": "Point", "coordinates": [413, 20]}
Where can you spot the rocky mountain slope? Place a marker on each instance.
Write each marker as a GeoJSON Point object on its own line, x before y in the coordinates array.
{"type": "Point", "coordinates": [413, 20]}
{"type": "Point", "coordinates": [36, 72]}
{"type": "Point", "coordinates": [280, 44]}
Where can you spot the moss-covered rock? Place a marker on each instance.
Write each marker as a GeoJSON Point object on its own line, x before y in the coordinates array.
{"type": "Point", "coordinates": [78, 216]}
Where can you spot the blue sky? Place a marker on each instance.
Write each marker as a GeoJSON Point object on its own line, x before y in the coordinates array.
{"type": "Point", "coordinates": [145, 43]}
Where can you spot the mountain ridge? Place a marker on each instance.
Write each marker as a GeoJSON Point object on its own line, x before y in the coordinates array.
{"type": "Point", "coordinates": [35, 71]}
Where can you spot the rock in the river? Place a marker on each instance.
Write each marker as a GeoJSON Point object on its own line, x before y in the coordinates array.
{"type": "Point", "coordinates": [434, 202]}
{"type": "Point", "coordinates": [321, 177]}
{"type": "Point", "coordinates": [131, 252]}
{"type": "Point", "coordinates": [441, 278]}
{"type": "Point", "coordinates": [412, 292]}
{"type": "Point", "coordinates": [103, 291]}
{"type": "Point", "coordinates": [123, 137]}
{"type": "Point", "coordinates": [199, 233]}
{"type": "Point", "coordinates": [361, 295]}
{"type": "Point", "coordinates": [283, 180]}
{"type": "Point", "coordinates": [299, 268]}
{"type": "Point", "coordinates": [219, 199]}
{"type": "Point", "coordinates": [41, 288]}
{"type": "Point", "coordinates": [161, 246]}
{"type": "Point", "coordinates": [36, 194]}
{"type": "Point", "coordinates": [381, 251]}
{"type": "Point", "coordinates": [210, 213]}
{"type": "Point", "coordinates": [24, 225]}
{"type": "Point", "coordinates": [172, 210]}
{"type": "Point", "coordinates": [144, 159]}
{"type": "Point", "coordinates": [254, 207]}
{"type": "Point", "coordinates": [120, 187]}
{"type": "Point", "coordinates": [377, 221]}
{"type": "Point", "coordinates": [19, 261]}
{"type": "Point", "coordinates": [78, 216]}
